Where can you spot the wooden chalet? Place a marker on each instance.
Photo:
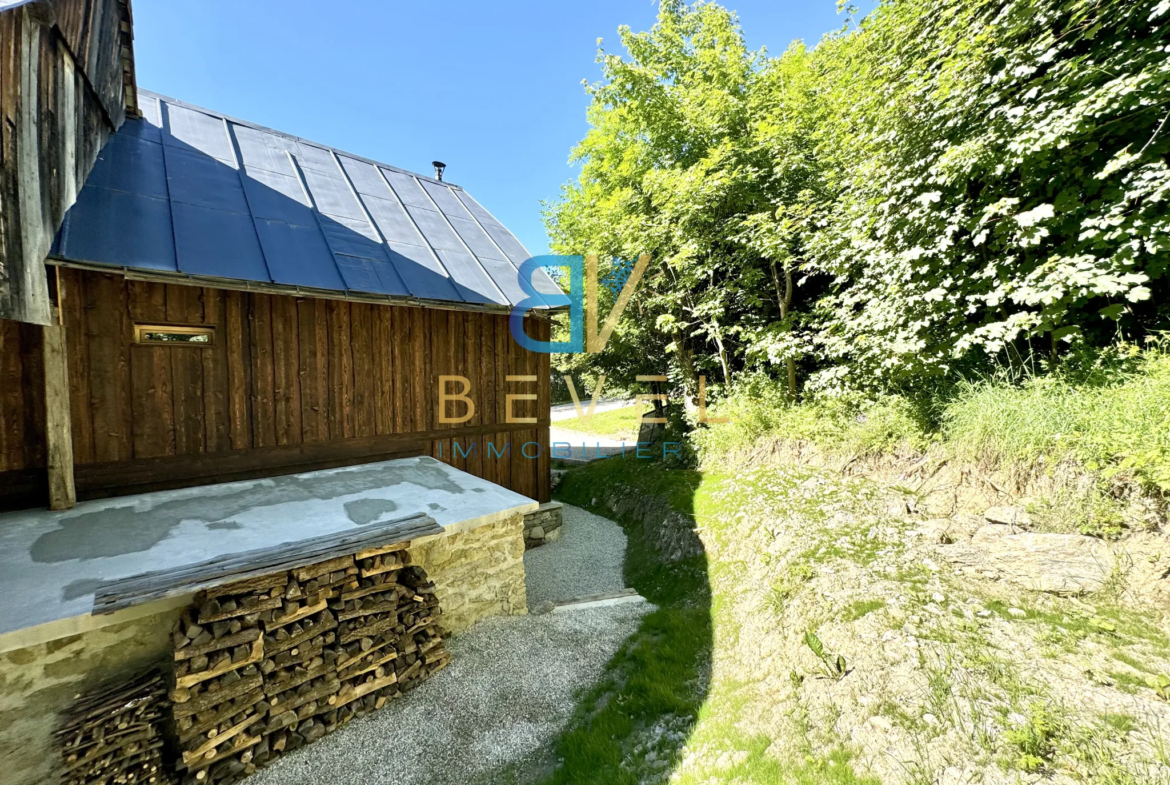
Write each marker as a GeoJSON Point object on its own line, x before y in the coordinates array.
{"type": "Point", "coordinates": [222, 446]}
{"type": "Point", "coordinates": [236, 303]}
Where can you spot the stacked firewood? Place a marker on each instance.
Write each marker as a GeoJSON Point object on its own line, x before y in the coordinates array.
{"type": "Point", "coordinates": [116, 736]}
{"type": "Point", "coordinates": [300, 680]}
{"type": "Point", "coordinates": [267, 665]}
{"type": "Point", "coordinates": [388, 634]}
{"type": "Point", "coordinates": [218, 694]}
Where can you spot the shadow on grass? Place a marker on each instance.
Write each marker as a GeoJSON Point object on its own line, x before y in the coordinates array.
{"type": "Point", "coordinates": [634, 723]}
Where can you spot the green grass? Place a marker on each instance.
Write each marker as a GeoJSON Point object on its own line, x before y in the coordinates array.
{"type": "Point", "coordinates": [618, 423]}
{"type": "Point", "coordinates": [861, 608]}
{"type": "Point", "coordinates": [760, 411]}
{"type": "Point", "coordinates": [1122, 723]}
{"type": "Point", "coordinates": [1111, 625]}
{"type": "Point", "coordinates": [1116, 421]}
{"type": "Point", "coordinates": [662, 671]}
{"type": "Point", "coordinates": [1110, 417]}
{"type": "Point", "coordinates": [658, 672]}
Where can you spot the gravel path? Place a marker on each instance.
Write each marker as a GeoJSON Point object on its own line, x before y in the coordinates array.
{"type": "Point", "coordinates": [586, 560]}
{"type": "Point", "coordinates": [508, 691]}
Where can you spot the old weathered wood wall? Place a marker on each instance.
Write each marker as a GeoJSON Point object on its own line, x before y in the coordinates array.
{"type": "Point", "coordinates": [65, 66]}
{"type": "Point", "coordinates": [289, 384]}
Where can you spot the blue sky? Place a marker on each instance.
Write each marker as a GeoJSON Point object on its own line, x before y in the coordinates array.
{"type": "Point", "coordinates": [491, 88]}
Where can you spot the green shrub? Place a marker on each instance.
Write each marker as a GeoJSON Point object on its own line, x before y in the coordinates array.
{"type": "Point", "coordinates": [760, 411]}
{"type": "Point", "coordinates": [1032, 740]}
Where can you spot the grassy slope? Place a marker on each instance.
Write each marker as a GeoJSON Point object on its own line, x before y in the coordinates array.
{"type": "Point", "coordinates": [719, 686]}
{"type": "Point", "coordinates": [617, 423]}
{"type": "Point", "coordinates": [1111, 417]}
{"type": "Point", "coordinates": [658, 696]}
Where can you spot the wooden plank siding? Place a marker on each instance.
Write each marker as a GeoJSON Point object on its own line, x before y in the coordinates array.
{"type": "Point", "coordinates": [289, 384]}
{"type": "Point", "coordinates": [65, 66]}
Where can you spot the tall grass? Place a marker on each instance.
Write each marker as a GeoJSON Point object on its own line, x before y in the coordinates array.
{"type": "Point", "coordinates": [1116, 423]}
{"type": "Point", "coordinates": [1113, 418]}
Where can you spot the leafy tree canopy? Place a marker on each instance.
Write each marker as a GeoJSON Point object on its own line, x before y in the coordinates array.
{"type": "Point", "coordinates": [947, 182]}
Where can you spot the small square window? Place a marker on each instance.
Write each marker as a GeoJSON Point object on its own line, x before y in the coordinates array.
{"type": "Point", "coordinates": [174, 335]}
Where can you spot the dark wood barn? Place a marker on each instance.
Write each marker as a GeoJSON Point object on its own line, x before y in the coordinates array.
{"type": "Point", "coordinates": [238, 303]}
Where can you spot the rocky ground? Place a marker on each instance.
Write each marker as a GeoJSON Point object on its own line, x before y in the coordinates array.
{"type": "Point", "coordinates": [966, 649]}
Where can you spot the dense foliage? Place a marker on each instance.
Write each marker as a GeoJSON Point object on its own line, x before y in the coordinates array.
{"type": "Point", "coordinates": [947, 185]}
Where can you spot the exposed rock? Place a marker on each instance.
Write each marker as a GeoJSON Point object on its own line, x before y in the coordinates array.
{"type": "Point", "coordinates": [948, 530]}
{"type": "Point", "coordinates": [672, 533]}
{"type": "Point", "coordinates": [543, 525]}
{"type": "Point", "coordinates": [1008, 516]}
{"type": "Point", "coordinates": [1057, 563]}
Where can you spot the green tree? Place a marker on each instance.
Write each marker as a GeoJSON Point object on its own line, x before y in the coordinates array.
{"type": "Point", "coordinates": [998, 175]}
{"type": "Point", "coordinates": [694, 157]}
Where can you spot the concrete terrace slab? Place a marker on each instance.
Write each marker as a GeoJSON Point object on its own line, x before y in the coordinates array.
{"type": "Point", "coordinates": [52, 562]}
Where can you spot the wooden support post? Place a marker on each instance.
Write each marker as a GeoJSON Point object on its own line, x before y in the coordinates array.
{"type": "Point", "coordinates": [58, 426]}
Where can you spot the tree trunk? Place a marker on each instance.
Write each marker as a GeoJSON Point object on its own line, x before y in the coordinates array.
{"type": "Point", "coordinates": [686, 364]}
{"type": "Point", "coordinates": [655, 432]}
{"type": "Point", "coordinates": [784, 298]}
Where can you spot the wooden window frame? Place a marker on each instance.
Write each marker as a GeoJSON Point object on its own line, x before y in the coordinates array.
{"type": "Point", "coordinates": [142, 328]}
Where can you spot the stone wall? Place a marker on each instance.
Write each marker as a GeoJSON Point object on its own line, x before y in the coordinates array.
{"type": "Point", "coordinates": [543, 524]}
{"type": "Point", "coordinates": [38, 682]}
{"type": "Point", "coordinates": [477, 573]}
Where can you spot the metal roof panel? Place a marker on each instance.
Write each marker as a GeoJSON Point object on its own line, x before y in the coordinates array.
{"type": "Point", "coordinates": [131, 164]}
{"type": "Point", "coordinates": [192, 191]}
{"type": "Point", "coordinates": [365, 178]}
{"type": "Point", "coordinates": [477, 239]}
{"type": "Point", "coordinates": [473, 207]}
{"type": "Point", "coordinates": [408, 189]}
{"type": "Point", "coordinates": [313, 157]}
{"type": "Point", "coordinates": [217, 243]}
{"type": "Point", "coordinates": [186, 127]}
{"type": "Point", "coordinates": [194, 178]}
{"type": "Point", "coordinates": [421, 272]}
{"type": "Point", "coordinates": [332, 194]}
{"type": "Point", "coordinates": [470, 279]}
{"type": "Point", "coordinates": [392, 221]}
{"type": "Point", "coordinates": [295, 255]}
{"type": "Point", "coordinates": [445, 200]}
{"type": "Point", "coordinates": [353, 237]}
{"type": "Point", "coordinates": [260, 150]}
{"type": "Point", "coordinates": [435, 229]}
{"type": "Point", "coordinates": [95, 230]}
{"type": "Point", "coordinates": [277, 196]}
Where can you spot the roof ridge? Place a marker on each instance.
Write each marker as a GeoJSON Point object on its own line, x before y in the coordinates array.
{"type": "Point", "coordinates": [266, 129]}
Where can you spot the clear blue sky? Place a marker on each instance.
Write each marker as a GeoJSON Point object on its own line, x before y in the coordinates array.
{"type": "Point", "coordinates": [491, 88]}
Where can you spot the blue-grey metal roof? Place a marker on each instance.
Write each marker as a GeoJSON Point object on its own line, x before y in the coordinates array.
{"type": "Point", "coordinates": [185, 191]}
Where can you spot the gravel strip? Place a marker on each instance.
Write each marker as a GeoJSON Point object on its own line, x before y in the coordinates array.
{"type": "Point", "coordinates": [585, 561]}
{"type": "Point", "coordinates": [507, 694]}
